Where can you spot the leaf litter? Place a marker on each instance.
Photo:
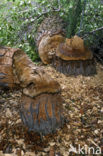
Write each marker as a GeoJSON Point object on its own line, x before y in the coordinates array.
{"type": "Point", "coordinates": [83, 109]}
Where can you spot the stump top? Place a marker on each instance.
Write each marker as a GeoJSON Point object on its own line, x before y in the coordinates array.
{"type": "Point", "coordinates": [73, 49]}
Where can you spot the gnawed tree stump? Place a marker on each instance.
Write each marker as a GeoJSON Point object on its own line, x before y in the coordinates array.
{"type": "Point", "coordinates": [41, 101]}
{"type": "Point", "coordinates": [73, 58]}
{"type": "Point", "coordinates": [69, 56]}
{"type": "Point", "coordinates": [43, 113]}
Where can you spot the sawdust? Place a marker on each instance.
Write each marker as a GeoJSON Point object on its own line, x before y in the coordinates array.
{"type": "Point", "coordinates": [83, 108]}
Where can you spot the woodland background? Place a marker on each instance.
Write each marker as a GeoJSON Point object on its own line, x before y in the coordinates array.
{"type": "Point", "coordinates": [83, 95]}
{"type": "Point", "coordinates": [20, 19]}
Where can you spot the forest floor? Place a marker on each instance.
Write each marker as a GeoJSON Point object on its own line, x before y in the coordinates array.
{"type": "Point", "coordinates": [83, 107]}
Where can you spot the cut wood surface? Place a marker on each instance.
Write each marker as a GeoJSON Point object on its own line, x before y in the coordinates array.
{"type": "Point", "coordinates": [73, 49]}
{"type": "Point", "coordinates": [33, 79]}
{"type": "Point", "coordinates": [47, 47]}
{"type": "Point", "coordinates": [6, 70]}
{"type": "Point", "coordinates": [50, 34]}
{"type": "Point", "coordinates": [83, 107]}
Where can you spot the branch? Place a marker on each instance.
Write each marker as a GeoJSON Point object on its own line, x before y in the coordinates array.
{"type": "Point", "coordinates": [98, 57]}
{"type": "Point", "coordinates": [42, 14]}
{"type": "Point", "coordinates": [24, 11]}
{"type": "Point", "coordinates": [59, 6]}
{"type": "Point", "coordinates": [92, 32]}
{"type": "Point", "coordinates": [98, 29]}
{"type": "Point", "coordinates": [54, 9]}
{"type": "Point", "coordinates": [33, 20]}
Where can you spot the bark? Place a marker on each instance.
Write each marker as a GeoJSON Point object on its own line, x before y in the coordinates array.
{"type": "Point", "coordinates": [43, 113]}
{"type": "Point", "coordinates": [78, 67]}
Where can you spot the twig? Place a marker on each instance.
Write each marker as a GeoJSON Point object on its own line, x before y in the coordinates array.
{"type": "Point", "coordinates": [92, 32]}
{"type": "Point", "coordinates": [94, 142]}
{"type": "Point", "coordinates": [98, 29]}
{"type": "Point", "coordinates": [58, 9]}
{"type": "Point", "coordinates": [99, 58]}
{"type": "Point", "coordinates": [24, 11]}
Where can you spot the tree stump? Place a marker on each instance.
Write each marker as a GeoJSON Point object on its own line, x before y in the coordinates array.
{"type": "Point", "coordinates": [43, 113]}
{"type": "Point", "coordinates": [69, 56]}
{"type": "Point", "coordinates": [73, 58]}
{"type": "Point", "coordinates": [41, 101]}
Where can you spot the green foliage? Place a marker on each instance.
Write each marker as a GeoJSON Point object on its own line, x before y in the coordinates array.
{"type": "Point", "coordinates": [92, 20]}
{"type": "Point", "coordinates": [14, 18]}
{"type": "Point", "coordinates": [19, 20]}
{"type": "Point", "coordinates": [74, 17]}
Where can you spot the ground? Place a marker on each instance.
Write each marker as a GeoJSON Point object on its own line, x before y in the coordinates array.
{"type": "Point", "coordinates": [83, 109]}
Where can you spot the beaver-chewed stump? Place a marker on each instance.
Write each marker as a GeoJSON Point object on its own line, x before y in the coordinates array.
{"type": "Point", "coordinates": [73, 58]}
{"type": "Point", "coordinates": [69, 56]}
{"type": "Point", "coordinates": [43, 113]}
{"type": "Point", "coordinates": [41, 101]}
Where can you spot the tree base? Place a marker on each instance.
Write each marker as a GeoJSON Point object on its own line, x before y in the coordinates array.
{"type": "Point", "coordinates": [78, 67]}
{"type": "Point", "coordinates": [42, 114]}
